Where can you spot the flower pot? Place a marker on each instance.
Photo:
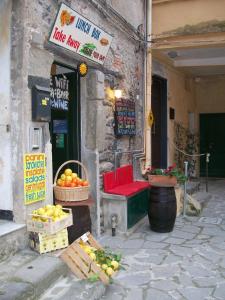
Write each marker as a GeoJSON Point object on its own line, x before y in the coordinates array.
{"type": "Point", "coordinates": [162, 180]}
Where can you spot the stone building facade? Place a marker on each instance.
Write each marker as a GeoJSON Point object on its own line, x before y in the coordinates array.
{"type": "Point", "coordinates": [30, 62]}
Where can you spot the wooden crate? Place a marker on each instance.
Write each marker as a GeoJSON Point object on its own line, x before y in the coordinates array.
{"type": "Point", "coordinates": [79, 261]}
{"type": "Point", "coordinates": [43, 243]}
{"type": "Point", "coordinates": [49, 227]}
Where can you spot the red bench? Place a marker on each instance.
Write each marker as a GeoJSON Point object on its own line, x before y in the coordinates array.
{"type": "Point", "coordinates": [124, 197]}
{"type": "Point", "coordinates": [121, 182]}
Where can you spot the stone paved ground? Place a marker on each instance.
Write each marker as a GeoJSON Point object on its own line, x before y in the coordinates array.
{"type": "Point", "coordinates": [188, 263]}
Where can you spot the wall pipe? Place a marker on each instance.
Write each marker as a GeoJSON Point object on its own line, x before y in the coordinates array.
{"type": "Point", "coordinates": [120, 151]}
{"type": "Point", "coordinates": [141, 154]}
{"type": "Point", "coordinates": [145, 154]}
{"type": "Point", "coordinates": [98, 194]}
{"type": "Point", "coordinates": [185, 187]}
{"type": "Point", "coordinates": [148, 81]}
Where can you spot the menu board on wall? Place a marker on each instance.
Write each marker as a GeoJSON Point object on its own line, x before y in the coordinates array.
{"type": "Point", "coordinates": [125, 120]}
{"type": "Point", "coordinates": [59, 92]}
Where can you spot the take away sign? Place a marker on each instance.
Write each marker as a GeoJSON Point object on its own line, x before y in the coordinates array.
{"type": "Point", "coordinates": [77, 34]}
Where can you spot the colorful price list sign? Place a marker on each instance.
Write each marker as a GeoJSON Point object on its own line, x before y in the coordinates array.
{"type": "Point", "coordinates": [34, 177]}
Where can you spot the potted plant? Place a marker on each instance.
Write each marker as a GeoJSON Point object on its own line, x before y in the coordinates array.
{"type": "Point", "coordinates": [165, 177]}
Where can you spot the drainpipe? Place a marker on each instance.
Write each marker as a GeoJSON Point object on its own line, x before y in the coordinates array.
{"type": "Point", "coordinates": [98, 194]}
{"type": "Point", "coordinates": [145, 155]}
{"type": "Point", "coordinates": [120, 151]}
{"type": "Point", "coordinates": [148, 80]}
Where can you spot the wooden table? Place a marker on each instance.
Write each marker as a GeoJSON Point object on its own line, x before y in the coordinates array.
{"type": "Point", "coordinates": [81, 217]}
{"type": "Point", "coordinates": [87, 202]}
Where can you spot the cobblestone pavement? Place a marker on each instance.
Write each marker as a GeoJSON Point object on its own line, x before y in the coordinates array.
{"type": "Point", "coordinates": [187, 263]}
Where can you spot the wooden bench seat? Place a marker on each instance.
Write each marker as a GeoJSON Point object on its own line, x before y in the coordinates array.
{"type": "Point", "coordinates": [126, 198]}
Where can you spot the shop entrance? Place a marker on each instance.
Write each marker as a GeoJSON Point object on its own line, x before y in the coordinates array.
{"type": "Point", "coordinates": [65, 128]}
{"type": "Point", "coordinates": [159, 126]}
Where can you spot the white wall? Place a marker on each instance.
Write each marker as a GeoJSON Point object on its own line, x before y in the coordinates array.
{"type": "Point", "coordinates": [210, 94]}
{"type": "Point", "coordinates": [5, 149]}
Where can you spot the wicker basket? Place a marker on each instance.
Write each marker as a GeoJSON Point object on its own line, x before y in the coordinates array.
{"type": "Point", "coordinates": [71, 193]}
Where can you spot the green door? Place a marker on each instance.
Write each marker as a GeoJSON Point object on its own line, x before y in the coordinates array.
{"type": "Point", "coordinates": [212, 140]}
{"type": "Point", "coordinates": [65, 120]}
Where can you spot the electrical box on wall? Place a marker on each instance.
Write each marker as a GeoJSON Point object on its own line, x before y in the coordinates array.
{"type": "Point", "coordinates": [36, 138]}
{"type": "Point", "coordinates": [41, 106]}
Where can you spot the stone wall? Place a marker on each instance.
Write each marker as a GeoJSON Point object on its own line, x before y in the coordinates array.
{"type": "Point", "coordinates": [33, 55]}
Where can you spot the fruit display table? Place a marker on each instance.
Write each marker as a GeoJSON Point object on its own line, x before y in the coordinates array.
{"type": "Point", "coordinates": [81, 217]}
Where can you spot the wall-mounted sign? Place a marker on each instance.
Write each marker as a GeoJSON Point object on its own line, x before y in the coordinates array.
{"type": "Point", "coordinates": [34, 177]}
{"type": "Point", "coordinates": [125, 120]}
{"type": "Point", "coordinates": [60, 126]}
{"type": "Point", "coordinates": [74, 32]}
{"type": "Point", "coordinates": [60, 140]}
{"type": "Point", "coordinates": [82, 69]}
{"type": "Point", "coordinates": [59, 92]}
{"type": "Point", "coordinates": [150, 118]}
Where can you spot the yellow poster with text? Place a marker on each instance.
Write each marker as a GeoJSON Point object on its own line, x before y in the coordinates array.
{"type": "Point", "coordinates": [34, 177]}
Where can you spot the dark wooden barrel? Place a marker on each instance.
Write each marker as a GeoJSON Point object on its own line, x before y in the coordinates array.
{"type": "Point", "coordinates": [162, 208]}
{"type": "Point", "coordinates": [81, 222]}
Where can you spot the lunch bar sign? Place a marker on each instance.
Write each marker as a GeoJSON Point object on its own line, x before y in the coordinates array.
{"type": "Point", "coordinates": [74, 32]}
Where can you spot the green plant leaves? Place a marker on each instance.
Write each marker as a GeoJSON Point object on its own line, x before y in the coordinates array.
{"type": "Point", "coordinates": [93, 278]}
{"type": "Point", "coordinates": [170, 171]}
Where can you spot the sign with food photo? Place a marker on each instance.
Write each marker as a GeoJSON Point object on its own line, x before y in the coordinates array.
{"type": "Point", "coordinates": [75, 33]}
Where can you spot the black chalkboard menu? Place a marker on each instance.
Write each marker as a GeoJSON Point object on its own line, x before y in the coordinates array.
{"type": "Point", "coordinates": [59, 92]}
{"type": "Point", "coordinates": [125, 121]}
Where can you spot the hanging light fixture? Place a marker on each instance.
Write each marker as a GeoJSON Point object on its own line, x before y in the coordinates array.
{"type": "Point", "coordinates": [117, 93]}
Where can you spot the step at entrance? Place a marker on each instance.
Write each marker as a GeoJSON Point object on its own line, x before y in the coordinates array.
{"type": "Point", "coordinates": [13, 237]}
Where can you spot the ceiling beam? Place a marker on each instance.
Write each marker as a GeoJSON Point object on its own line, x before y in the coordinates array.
{"type": "Point", "coordinates": [163, 1]}
{"type": "Point", "coordinates": [196, 62]}
{"type": "Point", "coordinates": [185, 42]}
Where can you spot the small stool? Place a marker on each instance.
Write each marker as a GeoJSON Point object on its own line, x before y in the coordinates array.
{"type": "Point", "coordinates": [81, 217]}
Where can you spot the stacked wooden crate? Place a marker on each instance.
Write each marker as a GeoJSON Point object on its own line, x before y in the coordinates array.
{"type": "Point", "coordinates": [46, 234]}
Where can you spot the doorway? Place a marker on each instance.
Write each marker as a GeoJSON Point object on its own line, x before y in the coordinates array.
{"type": "Point", "coordinates": [159, 126]}
{"type": "Point", "coordinates": [65, 125]}
{"type": "Point", "coordinates": [212, 140]}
